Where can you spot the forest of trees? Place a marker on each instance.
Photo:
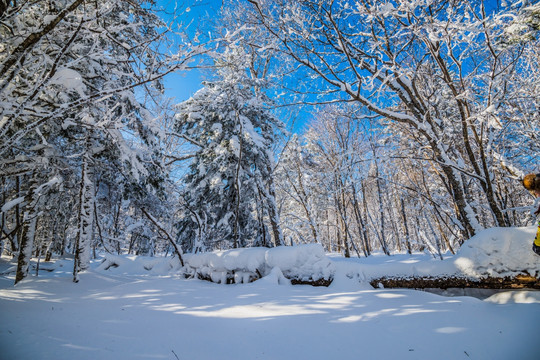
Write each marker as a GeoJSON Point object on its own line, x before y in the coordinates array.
{"type": "Point", "coordinates": [419, 119]}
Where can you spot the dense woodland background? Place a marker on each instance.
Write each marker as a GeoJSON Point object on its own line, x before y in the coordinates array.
{"type": "Point", "coordinates": [420, 117]}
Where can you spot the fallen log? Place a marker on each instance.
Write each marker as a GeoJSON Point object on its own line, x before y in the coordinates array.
{"type": "Point", "coordinates": [517, 282]}
{"type": "Point", "coordinates": [319, 282]}
{"type": "Point", "coordinates": [228, 277]}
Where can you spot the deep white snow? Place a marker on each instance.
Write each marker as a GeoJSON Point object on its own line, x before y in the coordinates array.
{"type": "Point", "coordinates": [143, 309]}
{"type": "Point", "coordinates": [305, 262]}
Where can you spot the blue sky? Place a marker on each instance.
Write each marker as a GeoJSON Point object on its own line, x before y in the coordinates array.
{"type": "Point", "coordinates": [200, 13]}
{"type": "Point", "coordinates": [183, 85]}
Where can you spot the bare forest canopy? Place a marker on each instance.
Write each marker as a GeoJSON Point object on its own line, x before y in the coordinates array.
{"type": "Point", "coordinates": [422, 117]}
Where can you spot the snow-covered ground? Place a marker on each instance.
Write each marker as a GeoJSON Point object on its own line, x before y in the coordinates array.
{"type": "Point", "coordinates": [144, 309]}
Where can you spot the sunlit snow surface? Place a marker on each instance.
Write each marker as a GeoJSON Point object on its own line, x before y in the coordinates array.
{"type": "Point", "coordinates": [131, 312]}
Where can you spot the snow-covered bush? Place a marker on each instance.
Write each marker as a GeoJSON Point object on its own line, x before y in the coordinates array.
{"type": "Point", "coordinates": [300, 264]}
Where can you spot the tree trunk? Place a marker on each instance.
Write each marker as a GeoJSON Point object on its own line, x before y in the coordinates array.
{"type": "Point", "coordinates": [405, 227]}
{"type": "Point", "coordinates": [85, 219]}
{"type": "Point", "coordinates": [27, 235]}
{"type": "Point", "coordinates": [340, 204]}
{"type": "Point", "coordinates": [273, 213]}
{"type": "Point", "coordinates": [15, 242]}
{"type": "Point", "coordinates": [366, 212]}
{"type": "Point", "coordinates": [303, 200]}
{"type": "Point", "coordinates": [360, 223]}
{"type": "Point", "coordinates": [236, 186]}
{"type": "Point", "coordinates": [177, 250]}
{"type": "Point", "coordinates": [381, 207]}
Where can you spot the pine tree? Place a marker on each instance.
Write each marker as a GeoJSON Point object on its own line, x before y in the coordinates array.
{"type": "Point", "coordinates": [228, 189]}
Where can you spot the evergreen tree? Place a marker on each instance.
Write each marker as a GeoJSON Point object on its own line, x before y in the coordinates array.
{"type": "Point", "coordinates": [228, 191]}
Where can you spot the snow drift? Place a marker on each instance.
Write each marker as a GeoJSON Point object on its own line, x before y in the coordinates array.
{"type": "Point", "coordinates": [492, 253]}
{"type": "Point", "coordinates": [499, 252]}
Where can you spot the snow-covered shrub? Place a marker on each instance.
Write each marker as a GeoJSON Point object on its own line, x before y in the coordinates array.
{"type": "Point", "coordinates": [303, 263]}
{"type": "Point", "coordinates": [237, 265]}
{"type": "Point", "coordinates": [300, 264]}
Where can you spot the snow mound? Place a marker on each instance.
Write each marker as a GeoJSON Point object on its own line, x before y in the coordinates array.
{"type": "Point", "coordinates": [138, 265]}
{"type": "Point", "coordinates": [495, 252]}
{"type": "Point", "coordinates": [303, 263]}
{"type": "Point", "coordinates": [498, 252]}
{"type": "Point", "coordinates": [275, 277]}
